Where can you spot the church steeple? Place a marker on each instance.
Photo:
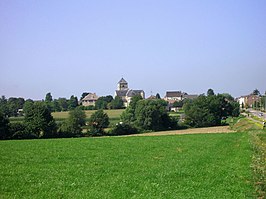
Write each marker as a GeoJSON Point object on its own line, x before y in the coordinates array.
{"type": "Point", "coordinates": [122, 85]}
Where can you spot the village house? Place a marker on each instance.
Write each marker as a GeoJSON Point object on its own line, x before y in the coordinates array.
{"type": "Point", "coordinates": [125, 93]}
{"type": "Point", "coordinates": [248, 101]}
{"type": "Point", "coordinates": [89, 100]}
{"type": "Point", "coordinates": [175, 96]}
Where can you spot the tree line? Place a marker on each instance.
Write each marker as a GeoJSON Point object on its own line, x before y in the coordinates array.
{"type": "Point", "coordinates": [38, 122]}
{"type": "Point", "coordinates": [141, 115]}
{"type": "Point", "coordinates": [13, 106]}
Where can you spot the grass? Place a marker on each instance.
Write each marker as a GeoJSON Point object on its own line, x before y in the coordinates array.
{"type": "Point", "coordinates": [258, 142]}
{"type": "Point", "coordinates": [185, 166]}
{"type": "Point", "coordinates": [259, 162]}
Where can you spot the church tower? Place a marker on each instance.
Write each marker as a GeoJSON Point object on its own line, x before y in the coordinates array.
{"type": "Point", "coordinates": [122, 85]}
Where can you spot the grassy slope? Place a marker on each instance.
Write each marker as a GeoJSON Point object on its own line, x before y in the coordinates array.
{"type": "Point", "coordinates": [187, 166]}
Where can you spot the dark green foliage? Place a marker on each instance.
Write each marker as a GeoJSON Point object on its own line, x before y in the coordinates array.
{"type": "Point", "coordinates": [4, 128]}
{"type": "Point", "coordinates": [27, 105]}
{"type": "Point", "coordinates": [123, 129]}
{"type": "Point", "coordinates": [102, 102]}
{"type": "Point", "coordinates": [63, 103]}
{"type": "Point", "coordinates": [210, 92]}
{"type": "Point", "coordinates": [56, 106]}
{"type": "Point", "coordinates": [152, 115]}
{"type": "Point", "coordinates": [11, 106]}
{"type": "Point", "coordinates": [116, 103]}
{"type": "Point", "coordinates": [84, 95]}
{"type": "Point", "coordinates": [178, 104]}
{"type": "Point", "coordinates": [148, 115]}
{"type": "Point", "coordinates": [39, 121]}
{"type": "Point", "coordinates": [158, 96]}
{"type": "Point", "coordinates": [256, 92]}
{"type": "Point", "coordinates": [128, 116]}
{"type": "Point", "coordinates": [4, 106]}
{"type": "Point", "coordinates": [90, 107]}
{"type": "Point", "coordinates": [17, 130]}
{"type": "Point", "coordinates": [73, 102]}
{"type": "Point", "coordinates": [72, 127]}
{"type": "Point", "coordinates": [98, 121]}
{"type": "Point", "coordinates": [48, 97]}
{"type": "Point", "coordinates": [209, 110]}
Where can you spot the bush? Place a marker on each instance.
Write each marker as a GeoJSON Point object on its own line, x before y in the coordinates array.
{"type": "Point", "coordinates": [72, 127]}
{"type": "Point", "coordinates": [18, 131]}
{"type": "Point", "coordinates": [123, 129]}
{"type": "Point", "coordinates": [4, 128]}
{"type": "Point", "coordinates": [98, 121]}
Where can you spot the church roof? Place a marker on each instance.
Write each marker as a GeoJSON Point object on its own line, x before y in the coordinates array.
{"type": "Point", "coordinates": [90, 96]}
{"type": "Point", "coordinates": [122, 81]}
{"type": "Point", "coordinates": [132, 93]}
{"type": "Point", "coordinates": [121, 93]}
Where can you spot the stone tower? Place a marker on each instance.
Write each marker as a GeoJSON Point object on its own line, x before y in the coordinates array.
{"type": "Point", "coordinates": [122, 85]}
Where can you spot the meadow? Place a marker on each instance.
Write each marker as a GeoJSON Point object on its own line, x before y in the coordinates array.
{"type": "Point", "coordinates": [176, 166]}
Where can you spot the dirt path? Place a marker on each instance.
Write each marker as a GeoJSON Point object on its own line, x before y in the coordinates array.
{"type": "Point", "coordinates": [217, 129]}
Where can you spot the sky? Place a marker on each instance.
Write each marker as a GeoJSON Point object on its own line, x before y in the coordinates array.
{"type": "Point", "coordinates": [70, 47]}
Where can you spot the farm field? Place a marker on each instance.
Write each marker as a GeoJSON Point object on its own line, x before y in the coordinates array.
{"type": "Point", "coordinates": [173, 166]}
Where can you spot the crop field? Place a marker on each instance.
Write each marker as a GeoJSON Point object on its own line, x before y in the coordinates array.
{"type": "Point", "coordinates": [173, 166]}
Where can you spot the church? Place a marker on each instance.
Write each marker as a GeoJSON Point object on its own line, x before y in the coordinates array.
{"type": "Point", "coordinates": [125, 93]}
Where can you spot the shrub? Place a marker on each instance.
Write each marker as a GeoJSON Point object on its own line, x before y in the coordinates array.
{"type": "Point", "coordinates": [123, 129]}
{"type": "Point", "coordinates": [98, 121]}
{"type": "Point", "coordinates": [4, 129]}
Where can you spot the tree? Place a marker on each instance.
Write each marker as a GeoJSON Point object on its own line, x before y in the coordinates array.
{"type": "Point", "coordinates": [48, 98]}
{"type": "Point", "coordinates": [27, 105]}
{"type": "Point", "coordinates": [98, 121]}
{"type": "Point", "coordinates": [49, 102]}
{"type": "Point", "coordinates": [73, 102]}
{"type": "Point", "coordinates": [209, 110]}
{"type": "Point", "coordinates": [152, 115]}
{"type": "Point", "coordinates": [63, 103]}
{"type": "Point", "coordinates": [4, 129]}
{"type": "Point", "coordinates": [128, 116]}
{"type": "Point", "coordinates": [39, 121]}
{"type": "Point", "coordinates": [210, 92]}
{"type": "Point", "coordinates": [256, 92]}
{"type": "Point", "coordinates": [158, 96]}
{"type": "Point", "coordinates": [4, 106]}
{"type": "Point", "coordinates": [73, 125]}
{"type": "Point", "coordinates": [13, 105]}
{"type": "Point", "coordinates": [178, 104]}
{"type": "Point", "coordinates": [84, 95]}
{"type": "Point", "coordinates": [102, 102]}
{"type": "Point", "coordinates": [116, 103]}
{"type": "Point", "coordinates": [56, 105]}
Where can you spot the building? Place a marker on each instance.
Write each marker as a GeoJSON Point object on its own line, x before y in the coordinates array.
{"type": "Point", "coordinates": [248, 101]}
{"type": "Point", "coordinates": [125, 93]}
{"type": "Point", "coordinates": [172, 96]}
{"type": "Point", "coordinates": [89, 100]}
{"type": "Point", "coordinates": [175, 96]}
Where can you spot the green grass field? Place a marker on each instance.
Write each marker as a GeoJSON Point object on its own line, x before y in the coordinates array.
{"type": "Point", "coordinates": [180, 166]}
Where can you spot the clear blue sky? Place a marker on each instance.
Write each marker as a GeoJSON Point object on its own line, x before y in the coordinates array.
{"type": "Point", "coordinates": [69, 47]}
